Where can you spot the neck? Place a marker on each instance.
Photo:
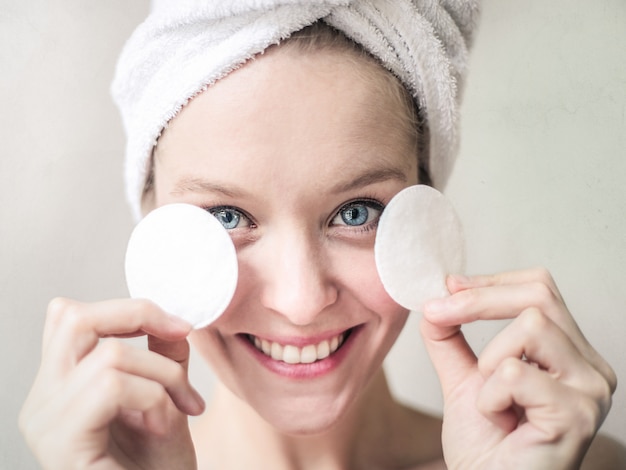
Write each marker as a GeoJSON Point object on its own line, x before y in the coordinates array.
{"type": "Point", "coordinates": [374, 427]}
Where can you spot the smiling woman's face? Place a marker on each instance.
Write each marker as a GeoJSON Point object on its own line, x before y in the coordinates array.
{"type": "Point", "coordinates": [296, 155]}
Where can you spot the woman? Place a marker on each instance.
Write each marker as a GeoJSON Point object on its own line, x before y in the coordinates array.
{"type": "Point", "coordinates": [297, 152]}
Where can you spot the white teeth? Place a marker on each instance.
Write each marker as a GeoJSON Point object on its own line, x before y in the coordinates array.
{"type": "Point", "coordinates": [334, 343]}
{"type": "Point", "coordinates": [323, 350]}
{"type": "Point", "coordinates": [291, 354]}
{"type": "Point", "coordinates": [294, 355]}
{"type": "Point", "coordinates": [277, 352]}
{"type": "Point", "coordinates": [308, 354]}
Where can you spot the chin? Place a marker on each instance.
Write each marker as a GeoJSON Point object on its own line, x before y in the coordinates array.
{"type": "Point", "coordinates": [303, 409]}
{"type": "Point", "coordinates": [303, 422]}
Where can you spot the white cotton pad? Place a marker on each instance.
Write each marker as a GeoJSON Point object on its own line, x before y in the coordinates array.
{"type": "Point", "coordinates": [182, 258]}
{"type": "Point", "coordinates": [418, 242]}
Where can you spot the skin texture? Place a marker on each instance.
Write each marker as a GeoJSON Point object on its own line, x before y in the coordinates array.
{"type": "Point", "coordinates": [534, 398]}
{"type": "Point", "coordinates": [300, 277]}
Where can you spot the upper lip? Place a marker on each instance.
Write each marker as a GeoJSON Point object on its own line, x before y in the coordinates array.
{"type": "Point", "coordinates": [299, 340]}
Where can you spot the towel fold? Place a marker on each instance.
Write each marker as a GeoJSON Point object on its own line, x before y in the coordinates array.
{"type": "Point", "coordinates": [184, 46]}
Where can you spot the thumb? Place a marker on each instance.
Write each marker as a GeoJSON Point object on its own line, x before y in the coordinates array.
{"type": "Point", "coordinates": [177, 351]}
{"type": "Point", "coordinates": [451, 355]}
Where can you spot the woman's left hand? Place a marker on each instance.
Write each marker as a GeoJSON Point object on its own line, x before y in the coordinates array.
{"type": "Point", "coordinates": [537, 393]}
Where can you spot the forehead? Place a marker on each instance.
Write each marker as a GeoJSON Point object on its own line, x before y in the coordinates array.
{"type": "Point", "coordinates": [288, 113]}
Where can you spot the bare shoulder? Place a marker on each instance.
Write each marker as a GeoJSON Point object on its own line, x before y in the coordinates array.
{"type": "Point", "coordinates": [605, 453]}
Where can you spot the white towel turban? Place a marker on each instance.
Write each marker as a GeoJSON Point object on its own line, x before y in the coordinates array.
{"type": "Point", "coordinates": [186, 45]}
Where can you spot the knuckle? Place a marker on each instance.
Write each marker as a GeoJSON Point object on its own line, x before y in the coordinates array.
{"type": "Point", "coordinates": [70, 315]}
{"type": "Point", "coordinates": [602, 367]}
{"type": "Point", "coordinates": [532, 321]}
{"type": "Point", "coordinates": [140, 311]}
{"type": "Point", "coordinates": [543, 275]}
{"type": "Point", "coordinates": [57, 305]}
{"type": "Point", "coordinates": [142, 306]}
{"type": "Point", "coordinates": [58, 308]}
{"type": "Point", "coordinates": [542, 293]}
{"type": "Point", "coordinates": [111, 352]}
{"type": "Point", "coordinates": [511, 370]}
{"type": "Point", "coordinates": [602, 392]}
{"type": "Point", "coordinates": [74, 320]}
{"type": "Point", "coordinates": [110, 383]}
{"type": "Point", "coordinates": [611, 378]}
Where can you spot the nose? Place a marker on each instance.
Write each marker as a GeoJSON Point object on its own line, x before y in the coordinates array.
{"type": "Point", "coordinates": [297, 282]}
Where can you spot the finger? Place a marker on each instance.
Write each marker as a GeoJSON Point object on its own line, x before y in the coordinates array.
{"type": "Point", "coordinates": [114, 355]}
{"type": "Point", "coordinates": [506, 301]}
{"type": "Point", "coordinates": [551, 409]}
{"type": "Point", "coordinates": [524, 276]}
{"type": "Point", "coordinates": [74, 328]}
{"type": "Point", "coordinates": [536, 338]}
{"type": "Point", "coordinates": [502, 302]}
{"type": "Point", "coordinates": [537, 289]}
{"type": "Point", "coordinates": [118, 391]}
{"type": "Point", "coordinates": [118, 317]}
{"type": "Point", "coordinates": [493, 303]}
{"type": "Point", "coordinates": [78, 411]}
{"type": "Point", "coordinates": [177, 351]}
{"type": "Point", "coordinates": [453, 359]}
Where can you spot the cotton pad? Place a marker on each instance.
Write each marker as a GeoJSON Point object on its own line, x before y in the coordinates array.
{"type": "Point", "coordinates": [182, 258]}
{"type": "Point", "coordinates": [418, 242]}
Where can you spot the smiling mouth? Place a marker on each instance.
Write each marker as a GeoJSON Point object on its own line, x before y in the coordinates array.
{"type": "Point", "coordinates": [292, 354]}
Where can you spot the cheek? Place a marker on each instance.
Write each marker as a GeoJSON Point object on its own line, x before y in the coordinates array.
{"type": "Point", "coordinates": [215, 350]}
{"type": "Point", "coordinates": [385, 317]}
{"type": "Point", "coordinates": [359, 275]}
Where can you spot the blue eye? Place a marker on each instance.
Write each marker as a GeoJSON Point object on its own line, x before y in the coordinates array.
{"type": "Point", "coordinates": [229, 217]}
{"type": "Point", "coordinates": [358, 213]}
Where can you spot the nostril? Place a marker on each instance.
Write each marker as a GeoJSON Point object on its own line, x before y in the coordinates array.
{"type": "Point", "coordinates": [300, 303]}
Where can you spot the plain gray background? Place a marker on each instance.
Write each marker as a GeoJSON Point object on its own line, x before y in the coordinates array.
{"type": "Point", "coordinates": [539, 180]}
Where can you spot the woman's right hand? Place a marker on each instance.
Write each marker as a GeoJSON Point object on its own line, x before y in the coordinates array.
{"type": "Point", "coordinates": [105, 404]}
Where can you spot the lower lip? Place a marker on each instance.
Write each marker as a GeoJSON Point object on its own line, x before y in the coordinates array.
{"type": "Point", "coordinates": [304, 371]}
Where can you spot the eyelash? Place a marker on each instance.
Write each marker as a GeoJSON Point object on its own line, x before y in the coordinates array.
{"type": "Point", "coordinates": [215, 209]}
{"type": "Point", "coordinates": [369, 202]}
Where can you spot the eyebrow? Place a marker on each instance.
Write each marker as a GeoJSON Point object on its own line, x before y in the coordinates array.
{"type": "Point", "coordinates": [368, 177]}
{"type": "Point", "coordinates": [198, 185]}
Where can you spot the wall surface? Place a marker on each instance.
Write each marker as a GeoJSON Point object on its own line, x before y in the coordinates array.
{"type": "Point", "coordinates": [539, 180]}
{"type": "Point", "coordinates": [63, 219]}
